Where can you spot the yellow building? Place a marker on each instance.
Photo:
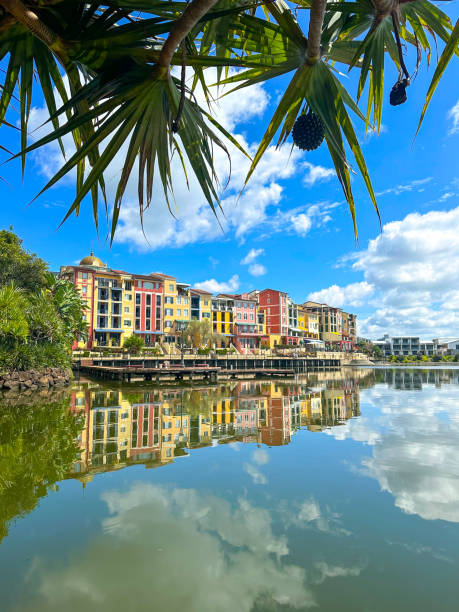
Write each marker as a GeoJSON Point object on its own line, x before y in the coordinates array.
{"type": "Point", "coordinates": [109, 303]}
{"type": "Point", "coordinates": [201, 305]}
{"type": "Point", "coordinates": [223, 316]}
{"type": "Point", "coordinates": [177, 308]}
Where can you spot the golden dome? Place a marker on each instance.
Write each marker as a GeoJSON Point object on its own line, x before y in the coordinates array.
{"type": "Point", "coordinates": [91, 260]}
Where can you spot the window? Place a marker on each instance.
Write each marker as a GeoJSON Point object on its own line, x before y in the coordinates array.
{"type": "Point", "coordinates": [251, 316]}
{"type": "Point", "coordinates": [171, 288]}
{"type": "Point", "coordinates": [185, 312]}
{"type": "Point", "coordinates": [185, 300]}
{"type": "Point", "coordinates": [148, 285]}
{"type": "Point", "coordinates": [84, 275]}
{"type": "Point", "coordinates": [126, 309]}
{"type": "Point", "coordinates": [239, 316]}
{"type": "Point", "coordinates": [127, 323]}
{"type": "Point", "coordinates": [158, 300]}
{"type": "Point", "coordinates": [168, 312]}
{"type": "Point", "coordinates": [167, 323]}
{"type": "Point", "coordinates": [128, 297]}
{"type": "Point", "coordinates": [84, 290]}
{"type": "Point", "coordinates": [127, 285]}
{"type": "Point", "coordinates": [245, 316]}
{"type": "Point", "coordinates": [148, 312]}
{"type": "Point", "coordinates": [251, 305]}
{"type": "Point", "coordinates": [245, 304]}
{"type": "Point", "coordinates": [179, 312]}
{"type": "Point", "coordinates": [179, 300]}
{"type": "Point", "coordinates": [239, 305]}
{"type": "Point", "coordinates": [168, 300]}
{"type": "Point", "coordinates": [137, 298]}
{"type": "Point", "coordinates": [206, 302]}
{"type": "Point", "coordinates": [148, 300]}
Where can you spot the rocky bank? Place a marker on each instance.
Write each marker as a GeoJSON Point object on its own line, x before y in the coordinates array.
{"type": "Point", "coordinates": [34, 379]}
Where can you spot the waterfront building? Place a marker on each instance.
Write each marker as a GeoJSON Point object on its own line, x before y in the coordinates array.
{"type": "Point", "coordinates": [147, 307]}
{"type": "Point", "coordinates": [223, 317]}
{"type": "Point", "coordinates": [177, 308]}
{"type": "Point", "coordinates": [108, 295]}
{"type": "Point", "coordinates": [247, 332]}
{"type": "Point", "coordinates": [399, 345]}
{"type": "Point", "coordinates": [274, 305]}
{"type": "Point", "coordinates": [330, 322]}
{"type": "Point", "coordinates": [446, 346]}
{"type": "Point", "coordinates": [158, 308]}
{"type": "Point", "coordinates": [201, 305]}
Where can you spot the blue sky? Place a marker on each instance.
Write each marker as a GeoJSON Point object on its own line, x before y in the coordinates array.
{"type": "Point", "coordinates": [291, 228]}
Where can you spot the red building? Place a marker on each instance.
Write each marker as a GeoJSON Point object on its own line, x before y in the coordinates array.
{"type": "Point", "coordinates": [148, 300]}
{"type": "Point", "coordinates": [274, 304]}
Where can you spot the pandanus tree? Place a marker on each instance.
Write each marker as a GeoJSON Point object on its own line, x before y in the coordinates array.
{"type": "Point", "coordinates": [106, 72]}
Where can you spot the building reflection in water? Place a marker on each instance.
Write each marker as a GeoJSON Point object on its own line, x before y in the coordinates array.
{"type": "Point", "coordinates": [124, 427]}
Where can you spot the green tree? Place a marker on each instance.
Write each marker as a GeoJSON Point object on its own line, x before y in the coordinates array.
{"type": "Point", "coordinates": [70, 307]}
{"type": "Point", "coordinates": [200, 333]}
{"type": "Point", "coordinates": [40, 315]}
{"type": "Point", "coordinates": [14, 326]}
{"type": "Point", "coordinates": [24, 269]}
{"type": "Point", "coordinates": [124, 51]}
{"type": "Point", "coordinates": [134, 344]}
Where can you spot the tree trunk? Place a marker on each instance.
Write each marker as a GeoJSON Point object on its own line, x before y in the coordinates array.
{"type": "Point", "coordinates": [190, 17]}
{"type": "Point", "coordinates": [30, 20]}
{"type": "Point", "coordinates": [316, 19]}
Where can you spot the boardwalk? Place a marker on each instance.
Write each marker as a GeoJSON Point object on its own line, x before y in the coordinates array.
{"type": "Point", "coordinates": [197, 368]}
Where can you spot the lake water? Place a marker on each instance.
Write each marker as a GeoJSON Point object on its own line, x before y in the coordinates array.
{"type": "Point", "coordinates": [339, 491]}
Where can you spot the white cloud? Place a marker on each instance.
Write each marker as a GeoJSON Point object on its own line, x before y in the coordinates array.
{"type": "Point", "coordinates": [260, 456]}
{"type": "Point", "coordinates": [257, 269]}
{"type": "Point", "coordinates": [257, 476]}
{"type": "Point", "coordinates": [251, 256]}
{"type": "Point", "coordinates": [414, 445]}
{"type": "Point", "coordinates": [215, 286]}
{"type": "Point", "coordinates": [411, 186]}
{"type": "Point", "coordinates": [315, 174]}
{"type": "Point", "coordinates": [411, 275]}
{"type": "Point", "coordinates": [301, 223]}
{"type": "Point", "coordinates": [454, 115]}
{"type": "Point", "coordinates": [193, 220]}
{"type": "Point", "coordinates": [236, 558]}
{"type": "Point", "coordinates": [354, 294]}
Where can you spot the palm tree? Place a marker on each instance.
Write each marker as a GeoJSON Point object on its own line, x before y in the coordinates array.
{"type": "Point", "coordinates": [117, 57]}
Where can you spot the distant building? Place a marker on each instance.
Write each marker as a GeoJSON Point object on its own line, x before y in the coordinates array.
{"type": "Point", "coordinates": [446, 346]}
{"type": "Point", "coordinates": [337, 328]}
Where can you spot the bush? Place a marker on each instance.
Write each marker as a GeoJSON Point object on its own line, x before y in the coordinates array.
{"type": "Point", "coordinates": [222, 351]}
{"type": "Point", "coordinates": [134, 344]}
{"type": "Point", "coordinates": [204, 351]}
{"type": "Point", "coordinates": [33, 356]}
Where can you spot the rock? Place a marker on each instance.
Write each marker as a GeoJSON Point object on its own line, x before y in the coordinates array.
{"type": "Point", "coordinates": [10, 384]}
{"type": "Point", "coordinates": [44, 381]}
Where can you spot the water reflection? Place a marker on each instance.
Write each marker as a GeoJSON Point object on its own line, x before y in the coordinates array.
{"type": "Point", "coordinates": [335, 491]}
{"type": "Point", "coordinates": [124, 427]}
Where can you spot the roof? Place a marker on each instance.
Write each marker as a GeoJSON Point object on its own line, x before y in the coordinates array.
{"type": "Point", "coordinates": [200, 291]}
{"type": "Point", "coordinates": [92, 260]}
{"type": "Point", "coordinates": [162, 275]}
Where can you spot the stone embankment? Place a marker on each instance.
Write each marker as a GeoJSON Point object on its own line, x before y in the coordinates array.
{"type": "Point", "coordinates": [34, 379]}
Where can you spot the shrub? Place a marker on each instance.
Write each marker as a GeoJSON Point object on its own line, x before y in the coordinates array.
{"type": "Point", "coordinates": [134, 344]}
{"type": "Point", "coordinates": [204, 351]}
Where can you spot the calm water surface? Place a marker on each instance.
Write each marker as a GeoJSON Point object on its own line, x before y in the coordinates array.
{"type": "Point", "coordinates": [339, 491]}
